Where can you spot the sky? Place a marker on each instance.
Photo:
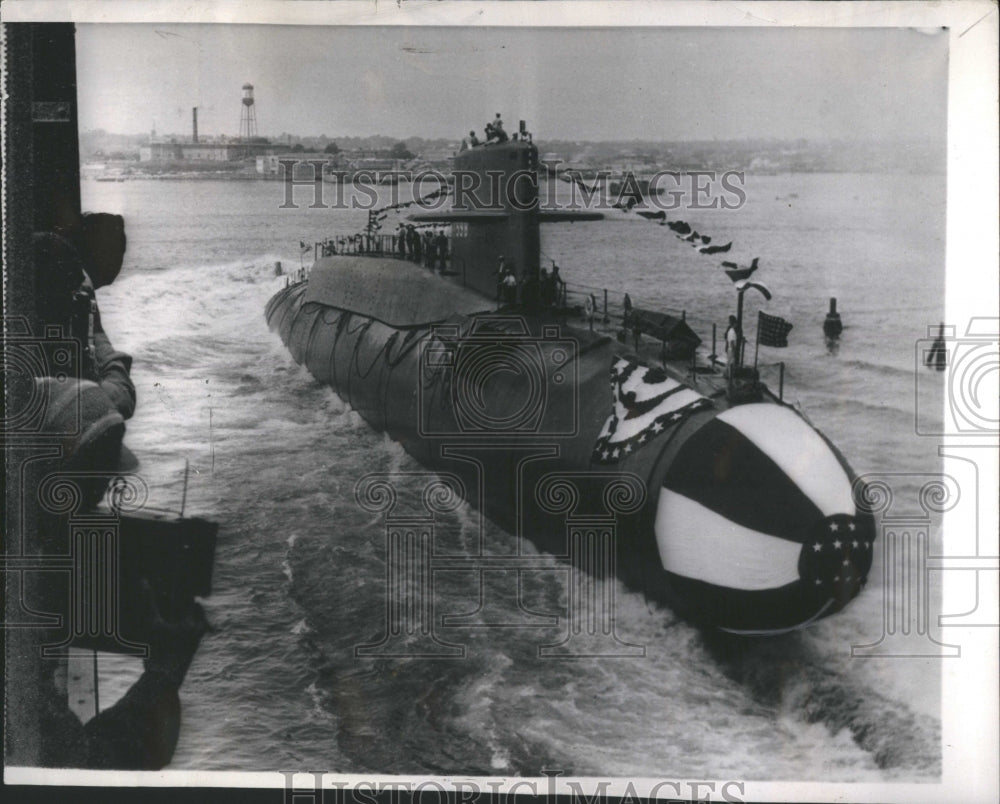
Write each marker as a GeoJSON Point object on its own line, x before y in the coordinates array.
{"type": "Point", "coordinates": [568, 83]}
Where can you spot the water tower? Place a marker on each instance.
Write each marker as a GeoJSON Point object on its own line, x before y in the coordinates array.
{"type": "Point", "coordinates": [248, 117]}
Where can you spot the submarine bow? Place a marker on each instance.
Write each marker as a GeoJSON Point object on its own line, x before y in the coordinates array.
{"type": "Point", "coordinates": [748, 525]}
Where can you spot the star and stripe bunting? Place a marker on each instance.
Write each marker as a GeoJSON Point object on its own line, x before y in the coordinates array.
{"type": "Point", "coordinates": [646, 404]}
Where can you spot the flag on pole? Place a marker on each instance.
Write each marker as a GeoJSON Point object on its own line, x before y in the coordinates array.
{"type": "Point", "coordinates": [303, 246]}
{"type": "Point", "coordinates": [772, 330]}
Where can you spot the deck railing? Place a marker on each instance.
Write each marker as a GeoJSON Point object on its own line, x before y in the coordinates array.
{"type": "Point", "coordinates": [379, 245]}
{"type": "Point", "coordinates": [605, 308]}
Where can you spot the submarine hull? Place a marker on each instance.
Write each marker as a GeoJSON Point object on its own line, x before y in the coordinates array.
{"type": "Point", "coordinates": [738, 518]}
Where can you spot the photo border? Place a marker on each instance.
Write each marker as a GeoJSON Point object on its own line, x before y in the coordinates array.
{"type": "Point", "coordinates": [969, 692]}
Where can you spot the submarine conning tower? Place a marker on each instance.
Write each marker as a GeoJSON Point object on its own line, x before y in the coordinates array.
{"type": "Point", "coordinates": [495, 213]}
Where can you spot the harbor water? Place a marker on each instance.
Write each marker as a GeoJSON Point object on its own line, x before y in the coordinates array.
{"type": "Point", "coordinates": [300, 576]}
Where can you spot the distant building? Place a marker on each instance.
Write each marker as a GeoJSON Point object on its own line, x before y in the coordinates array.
{"type": "Point", "coordinates": [160, 152]}
{"type": "Point", "coordinates": [270, 164]}
{"type": "Point", "coordinates": [371, 160]}
{"type": "Point", "coordinates": [195, 149]}
{"type": "Point", "coordinates": [230, 151]}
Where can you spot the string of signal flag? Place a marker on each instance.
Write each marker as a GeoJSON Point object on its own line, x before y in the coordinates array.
{"type": "Point", "coordinates": [739, 275]}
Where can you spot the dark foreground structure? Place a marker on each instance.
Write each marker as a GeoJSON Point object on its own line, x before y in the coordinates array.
{"type": "Point", "coordinates": [87, 569]}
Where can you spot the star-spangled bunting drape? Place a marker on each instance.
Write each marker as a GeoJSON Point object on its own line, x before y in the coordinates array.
{"type": "Point", "coordinates": [646, 403]}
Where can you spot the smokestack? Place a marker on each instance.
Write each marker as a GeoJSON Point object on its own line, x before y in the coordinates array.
{"type": "Point", "coordinates": [194, 124]}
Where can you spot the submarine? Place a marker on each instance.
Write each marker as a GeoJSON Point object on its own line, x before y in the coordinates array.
{"type": "Point", "coordinates": [730, 507]}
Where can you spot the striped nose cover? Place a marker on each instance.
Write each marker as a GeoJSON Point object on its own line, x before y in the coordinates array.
{"type": "Point", "coordinates": [756, 525]}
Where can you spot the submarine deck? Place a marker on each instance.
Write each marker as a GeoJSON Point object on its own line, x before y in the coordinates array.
{"type": "Point", "coordinates": [403, 294]}
{"type": "Point", "coordinates": [395, 292]}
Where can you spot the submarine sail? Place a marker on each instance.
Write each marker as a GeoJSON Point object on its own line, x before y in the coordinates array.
{"type": "Point", "coordinates": [734, 510]}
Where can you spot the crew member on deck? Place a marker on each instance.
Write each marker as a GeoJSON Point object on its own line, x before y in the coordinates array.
{"type": "Point", "coordinates": [557, 284]}
{"type": "Point", "coordinates": [441, 244]}
{"type": "Point", "coordinates": [498, 131]}
{"type": "Point", "coordinates": [508, 287]}
{"type": "Point", "coordinates": [732, 339]}
{"type": "Point", "coordinates": [501, 274]}
{"type": "Point", "coordinates": [473, 139]}
{"type": "Point", "coordinates": [416, 251]}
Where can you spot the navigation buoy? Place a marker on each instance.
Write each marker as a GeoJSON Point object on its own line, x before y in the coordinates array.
{"type": "Point", "coordinates": [833, 326]}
